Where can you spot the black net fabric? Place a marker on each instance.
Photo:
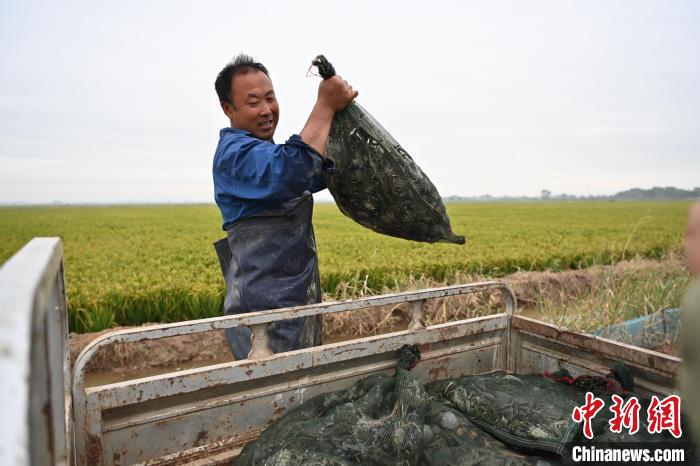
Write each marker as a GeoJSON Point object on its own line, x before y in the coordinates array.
{"type": "Point", "coordinates": [529, 412]}
{"type": "Point", "coordinates": [450, 438]}
{"type": "Point", "coordinates": [379, 420]}
{"type": "Point", "coordinates": [491, 419]}
{"type": "Point", "coordinates": [377, 183]}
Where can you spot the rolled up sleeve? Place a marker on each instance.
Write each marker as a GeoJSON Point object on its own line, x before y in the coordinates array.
{"type": "Point", "coordinates": [249, 168]}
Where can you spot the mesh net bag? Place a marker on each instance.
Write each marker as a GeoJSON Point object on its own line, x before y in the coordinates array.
{"type": "Point", "coordinates": [528, 412]}
{"type": "Point", "coordinates": [491, 419]}
{"type": "Point", "coordinates": [376, 183]}
{"type": "Point", "coordinates": [379, 420]}
{"type": "Point", "coordinates": [450, 438]}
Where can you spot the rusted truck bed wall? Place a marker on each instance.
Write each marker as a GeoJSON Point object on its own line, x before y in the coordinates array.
{"type": "Point", "coordinates": [538, 346]}
{"type": "Point", "coordinates": [35, 389]}
{"type": "Point", "coordinates": [205, 415]}
{"type": "Point", "coordinates": [155, 417]}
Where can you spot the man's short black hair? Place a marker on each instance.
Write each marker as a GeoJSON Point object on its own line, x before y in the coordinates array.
{"type": "Point", "coordinates": [240, 65]}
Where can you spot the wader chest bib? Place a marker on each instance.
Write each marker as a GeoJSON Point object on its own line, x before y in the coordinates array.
{"type": "Point", "coordinates": [269, 261]}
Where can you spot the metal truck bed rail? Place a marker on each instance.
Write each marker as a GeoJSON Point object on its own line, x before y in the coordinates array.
{"type": "Point", "coordinates": [205, 415]}
{"type": "Point", "coordinates": [37, 414]}
{"type": "Point", "coordinates": [195, 412]}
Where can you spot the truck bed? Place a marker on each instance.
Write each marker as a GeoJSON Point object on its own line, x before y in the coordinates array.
{"type": "Point", "coordinates": [205, 415]}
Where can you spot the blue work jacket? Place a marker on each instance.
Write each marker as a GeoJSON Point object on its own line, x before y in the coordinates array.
{"type": "Point", "coordinates": [252, 175]}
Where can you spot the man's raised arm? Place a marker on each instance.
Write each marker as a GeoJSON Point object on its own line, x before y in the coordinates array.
{"type": "Point", "coordinates": [334, 94]}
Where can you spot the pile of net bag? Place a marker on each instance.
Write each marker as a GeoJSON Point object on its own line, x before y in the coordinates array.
{"type": "Point", "coordinates": [493, 419]}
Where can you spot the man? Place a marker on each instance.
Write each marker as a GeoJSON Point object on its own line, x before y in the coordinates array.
{"type": "Point", "coordinates": [690, 327]}
{"type": "Point", "coordinates": [264, 191]}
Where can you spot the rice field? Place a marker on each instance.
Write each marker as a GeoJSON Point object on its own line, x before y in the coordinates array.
{"type": "Point", "coordinates": [127, 265]}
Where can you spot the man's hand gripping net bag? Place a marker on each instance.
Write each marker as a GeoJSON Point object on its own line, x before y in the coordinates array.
{"type": "Point", "coordinates": [376, 183]}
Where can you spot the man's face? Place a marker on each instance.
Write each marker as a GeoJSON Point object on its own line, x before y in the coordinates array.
{"type": "Point", "coordinates": [691, 244]}
{"type": "Point", "coordinates": [255, 107]}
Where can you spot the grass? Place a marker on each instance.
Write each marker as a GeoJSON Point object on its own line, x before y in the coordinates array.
{"type": "Point", "coordinates": [620, 295]}
{"type": "Point", "coordinates": [582, 300]}
{"type": "Point", "coordinates": [128, 265]}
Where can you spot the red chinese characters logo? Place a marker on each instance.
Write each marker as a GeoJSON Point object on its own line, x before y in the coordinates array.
{"type": "Point", "coordinates": [665, 415]}
{"type": "Point", "coordinates": [661, 414]}
{"type": "Point", "coordinates": [587, 412]}
{"type": "Point", "coordinates": [624, 415]}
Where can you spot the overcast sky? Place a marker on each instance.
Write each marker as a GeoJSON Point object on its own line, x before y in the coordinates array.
{"type": "Point", "coordinates": [114, 102]}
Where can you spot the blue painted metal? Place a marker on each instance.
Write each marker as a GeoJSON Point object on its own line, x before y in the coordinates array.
{"type": "Point", "coordinates": [651, 331]}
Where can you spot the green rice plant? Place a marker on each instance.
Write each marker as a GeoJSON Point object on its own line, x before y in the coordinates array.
{"type": "Point", "coordinates": [127, 265]}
